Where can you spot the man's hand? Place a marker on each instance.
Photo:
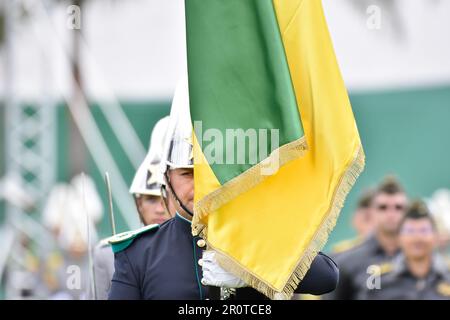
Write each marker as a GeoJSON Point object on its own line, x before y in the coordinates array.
{"type": "Point", "coordinates": [214, 275]}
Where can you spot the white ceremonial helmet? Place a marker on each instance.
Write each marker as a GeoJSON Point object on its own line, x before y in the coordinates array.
{"type": "Point", "coordinates": [149, 178]}
{"type": "Point", "coordinates": [178, 149]}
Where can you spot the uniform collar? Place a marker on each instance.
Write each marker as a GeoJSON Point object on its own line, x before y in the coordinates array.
{"type": "Point", "coordinates": [180, 217]}
{"type": "Point", "coordinates": [375, 246]}
{"type": "Point", "coordinates": [400, 267]}
{"type": "Point", "coordinates": [183, 224]}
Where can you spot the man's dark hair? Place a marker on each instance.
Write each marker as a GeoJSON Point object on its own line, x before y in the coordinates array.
{"type": "Point", "coordinates": [416, 211]}
{"type": "Point", "coordinates": [389, 185]}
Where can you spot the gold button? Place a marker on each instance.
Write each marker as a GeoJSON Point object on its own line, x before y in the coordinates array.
{"type": "Point", "coordinates": [200, 262]}
{"type": "Point", "coordinates": [201, 243]}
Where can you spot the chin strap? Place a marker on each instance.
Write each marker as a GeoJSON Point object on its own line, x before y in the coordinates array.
{"type": "Point", "coordinates": [164, 197]}
{"type": "Point", "coordinates": [176, 197]}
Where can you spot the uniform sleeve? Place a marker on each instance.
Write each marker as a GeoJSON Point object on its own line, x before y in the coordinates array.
{"type": "Point", "coordinates": [322, 277]}
{"type": "Point", "coordinates": [103, 270]}
{"type": "Point", "coordinates": [124, 284]}
{"type": "Point", "coordinates": [100, 284]}
{"type": "Point", "coordinates": [344, 289]}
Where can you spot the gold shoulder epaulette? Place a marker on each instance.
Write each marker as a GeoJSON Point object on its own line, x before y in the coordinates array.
{"type": "Point", "coordinates": [386, 267]}
{"type": "Point", "coordinates": [347, 244]}
{"type": "Point", "coordinates": [381, 269]}
{"type": "Point", "coordinates": [444, 289]}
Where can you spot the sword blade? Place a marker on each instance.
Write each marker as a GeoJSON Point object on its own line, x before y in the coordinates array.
{"type": "Point", "coordinates": [111, 212]}
{"type": "Point", "coordinates": [93, 285]}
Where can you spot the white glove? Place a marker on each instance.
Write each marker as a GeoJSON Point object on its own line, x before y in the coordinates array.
{"type": "Point", "coordinates": [214, 275]}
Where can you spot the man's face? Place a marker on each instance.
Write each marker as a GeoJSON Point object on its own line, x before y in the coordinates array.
{"type": "Point", "coordinates": [182, 181]}
{"type": "Point", "coordinates": [417, 238]}
{"type": "Point", "coordinates": [151, 209]}
{"type": "Point", "coordinates": [388, 210]}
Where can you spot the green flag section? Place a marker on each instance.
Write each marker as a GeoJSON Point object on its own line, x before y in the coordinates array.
{"type": "Point", "coordinates": [268, 65]}
{"type": "Point", "coordinates": [242, 101]}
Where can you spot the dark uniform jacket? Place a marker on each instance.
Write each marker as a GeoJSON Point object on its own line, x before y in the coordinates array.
{"type": "Point", "coordinates": [354, 269]}
{"type": "Point", "coordinates": [399, 284]}
{"type": "Point", "coordinates": [162, 263]}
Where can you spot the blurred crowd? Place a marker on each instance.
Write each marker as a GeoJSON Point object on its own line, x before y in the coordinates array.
{"type": "Point", "coordinates": [68, 261]}
{"type": "Point", "coordinates": [401, 250]}
{"type": "Point", "coordinates": [57, 266]}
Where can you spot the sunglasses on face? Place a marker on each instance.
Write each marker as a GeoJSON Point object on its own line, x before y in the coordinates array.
{"type": "Point", "coordinates": [422, 231]}
{"type": "Point", "coordinates": [396, 207]}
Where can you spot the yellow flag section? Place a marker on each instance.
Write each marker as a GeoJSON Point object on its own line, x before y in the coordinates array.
{"type": "Point", "coordinates": [269, 235]}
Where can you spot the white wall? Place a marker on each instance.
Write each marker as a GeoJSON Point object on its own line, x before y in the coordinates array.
{"type": "Point", "coordinates": [135, 48]}
{"type": "Point", "coordinates": [412, 47]}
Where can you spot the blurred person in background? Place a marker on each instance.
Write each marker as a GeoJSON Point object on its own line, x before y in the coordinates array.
{"type": "Point", "coordinates": [362, 219]}
{"type": "Point", "coordinates": [146, 190]}
{"type": "Point", "coordinates": [362, 222]}
{"type": "Point", "coordinates": [66, 265]}
{"type": "Point", "coordinates": [22, 271]}
{"type": "Point", "coordinates": [418, 273]}
{"type": "Point", "coordinates": [146, 185]}
{"type": "Point", "coordinates": [389, 205]}
{"type": "Point", "coordinates": [19, 257]}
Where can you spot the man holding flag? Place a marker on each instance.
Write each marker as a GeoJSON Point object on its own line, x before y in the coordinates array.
{"type": "Point", "coordinates": [164, 262]}
{"type": "Point", "coordinates": [253, 66]}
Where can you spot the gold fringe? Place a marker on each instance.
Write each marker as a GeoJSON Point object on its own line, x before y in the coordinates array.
{"type": "Point", "coordinates": [346, 182]}
{"type": "Point", "coordinates": [245, 181]}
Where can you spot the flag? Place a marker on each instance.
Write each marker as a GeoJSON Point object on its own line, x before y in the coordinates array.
{"type": "Point", "coordinates": [276, 146]}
